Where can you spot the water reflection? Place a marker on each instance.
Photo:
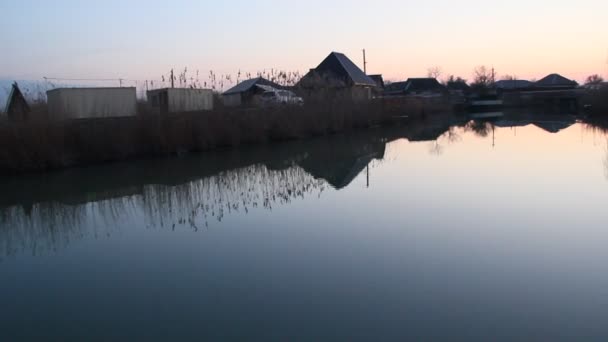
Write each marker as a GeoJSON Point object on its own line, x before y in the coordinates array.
{"type": "Point", "coordinates": [45, 213]}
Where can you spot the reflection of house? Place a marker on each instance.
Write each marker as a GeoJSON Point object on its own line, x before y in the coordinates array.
{"type": "Point", "coordinates": [422, 87]}
{"type": "Point", "coordinates": [555, 82]}
{"type": "Point", "coordinates": [247, 92]}
{"type": "Point", "coordinates": [179, 100]}
{"type": "Point", "coordinates": [17, 108]}
{"type": "Point", "coordinates": [81, 103]}
{"type": "Point", "coordinates": [337, 77]}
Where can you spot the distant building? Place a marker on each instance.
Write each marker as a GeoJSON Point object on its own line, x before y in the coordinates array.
{"type": "Point", "coordinates": [337, 77]}
{"type": "Point", "coordinates": [179, 100]}
{"type": "Point", "coordinates": [17, 108]}
{"type": "Point", "coordinates": [513, 85]}
{"type": "Point", "coordinates": [555, 82]}
{"type": "Point", "coordinates": [83, 103]}
{"type": "Point", "coordinates": [247, 92]}
{"type": "Point", "coordinates": [421, 87]}
{"type": "Point", "coordinates": [379, 81]}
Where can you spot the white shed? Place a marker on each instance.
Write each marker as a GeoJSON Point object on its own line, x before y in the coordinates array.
{"type": "Point", "coordinates": [82, 103]}
{"type": "Point", "coordinates": [179, 100]}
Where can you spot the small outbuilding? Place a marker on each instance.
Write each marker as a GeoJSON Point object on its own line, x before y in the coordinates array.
{"type": "Point", "coordinates": [86, 103]}
{"type": "Point", "coordinates": [337, 76]}
{"type": "Point", "coordinates": [247, 92]}
{"type": "Point", "coordinates": [180, 100]}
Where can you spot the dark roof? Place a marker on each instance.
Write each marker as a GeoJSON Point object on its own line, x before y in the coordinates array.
{"type": "Point", "coordinates": [248, 84]}
{"type": "Point", "coordinates": [395, 87]}
{"type": "Point", "coordinates": [458, 85]}
{"type": "Point", "coordinates": [16, 103]}
{"type": "Point", "coordinates": [378, 79]}
{"type": "Point", "coordinates": [513, 84]}
{"type": "Point", "coordinates": [337, 63]}
{"type": "Point", "coordinates": [423, 84]}
{"type": "Point", "coordinates": [556, 80]}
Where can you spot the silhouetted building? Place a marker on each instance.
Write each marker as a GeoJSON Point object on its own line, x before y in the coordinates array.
{"type": "Point", "coordinates": [423, 87]}
{"type": "Point", "coordinates": [17, 108]}
{"type": "Point", "coordinates": [337, 77]}
{"type": "Point", "coordinates": [247, 92]}
{"type": "Point", "coordinates": [513, 85]}
{"type": "Point", "coordinates": [379, 81]}
{"type": "Point", "coordinates": [555, 82]}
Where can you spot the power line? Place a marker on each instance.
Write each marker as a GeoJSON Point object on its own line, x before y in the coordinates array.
{"type": "Point", "coordinates": [90, 79]}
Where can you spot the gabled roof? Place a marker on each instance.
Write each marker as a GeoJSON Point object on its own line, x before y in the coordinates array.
{"type": "Point", "coordinates": [248, 84]}
{"type": "Point", "coordinates": [395, 87]}
{"type": "Point", "coordinates": [513, 84]}
{"type": "Point", "coordinates": [16, 101]}
{"type": "Point", "coordinates": [556, 80]}
{"type": "Point", "coordinates": [423, 84]}
{"type": "Point", "coordinates": [342, 66]}
{"type": "Point", "coordinates": [458, 85]}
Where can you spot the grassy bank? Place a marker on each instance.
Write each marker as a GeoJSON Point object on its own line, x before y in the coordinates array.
{"type": "Point", "coordinates": [42, 144]}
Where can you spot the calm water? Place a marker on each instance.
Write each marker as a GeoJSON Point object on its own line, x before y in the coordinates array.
{"type": "Point", "coordinates": [438, 231]}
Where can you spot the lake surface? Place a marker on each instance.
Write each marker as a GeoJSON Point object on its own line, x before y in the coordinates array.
{"type": "Point", "coordinates": [443, 230]}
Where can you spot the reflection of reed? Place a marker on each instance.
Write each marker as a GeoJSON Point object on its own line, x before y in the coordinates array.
{"type": "Point", "coordinates": [48, 227]}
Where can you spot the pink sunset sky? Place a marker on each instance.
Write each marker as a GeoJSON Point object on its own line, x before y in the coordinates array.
{"type": "Point", "coordinates": [142, 40]}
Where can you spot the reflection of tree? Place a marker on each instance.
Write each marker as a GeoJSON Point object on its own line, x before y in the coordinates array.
{"type": "Point", "coordinates": [606, 161]}
{"type": "Point", "coordinates": [47, 227]}
{"type": "Point", "coordinates": [480, 128]}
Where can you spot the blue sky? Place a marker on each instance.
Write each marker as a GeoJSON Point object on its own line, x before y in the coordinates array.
{"type": "Point", "coordinates": [144, 39]}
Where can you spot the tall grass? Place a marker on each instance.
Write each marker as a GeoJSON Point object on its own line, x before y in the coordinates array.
{"type": "Point", "coordinates": [46, 144]}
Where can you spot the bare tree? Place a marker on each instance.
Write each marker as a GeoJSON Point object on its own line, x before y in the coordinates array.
{"type": "Point", "coordinates": [594, 80]}
{"type": "Point", "coordinates": [483, 77]}
{"type": "Point", "coordinates": [434, 72]}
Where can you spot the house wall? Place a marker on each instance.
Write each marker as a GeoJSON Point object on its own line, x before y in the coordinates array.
{"type": "Point", "coordinates": [190, 100]}
{"type": "Point", "coordinates": [177, 100]}
{"type": "Point", "coordinates": [82, 103]}
{"type": "Point", "coordinates": [232, 100]}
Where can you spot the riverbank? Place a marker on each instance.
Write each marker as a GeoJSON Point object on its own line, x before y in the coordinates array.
{"type": "Point", "coordinates": [43, 145]}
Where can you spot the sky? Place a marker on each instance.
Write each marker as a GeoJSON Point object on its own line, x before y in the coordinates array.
{"type": "Point", "coordinates": [142, 40]}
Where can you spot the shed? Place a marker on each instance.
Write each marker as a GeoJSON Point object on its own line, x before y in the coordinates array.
{"type": "Point", "coordinates": [246, 92]}
{"type": "Point", "coordinates": [17, 108]}
{"type": "Point", "coordinates": [337, 74]}
{"type": "Point", "coordinates": [179, 100]}
{"type": "Point", "coordinates": [84, 103]}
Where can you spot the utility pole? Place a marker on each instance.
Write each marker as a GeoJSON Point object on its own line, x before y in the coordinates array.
{"type": "Point", "coordinates": [172, 84]}
{"type": "Point", "coordinates": [364, 63]}
{"type": "Point", "coordinates": [120, 82]}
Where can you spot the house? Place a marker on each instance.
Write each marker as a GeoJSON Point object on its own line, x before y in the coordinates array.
{"type": "Point", "coordinates": [247, 92]}
{"type": "Point", "coordinates": [17, 108]}
{"type": "Point", "coordinates": [420, 87]}
{"type": "Point", "coordinates": [337, 77]}
{"type": "Point", "coordinates": [513, 85]}
{"type": "Point", "coordinates": [83, 103]}
{"type": "Point", "coordinates": [179, 100]}
{"type": "Point", "coordinates": [555, 82]}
